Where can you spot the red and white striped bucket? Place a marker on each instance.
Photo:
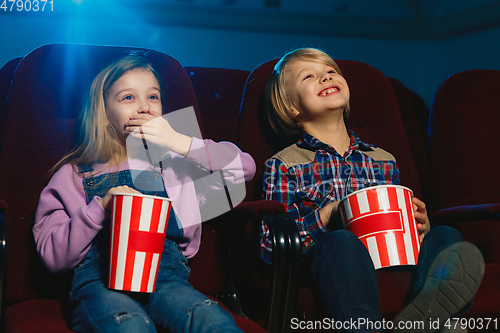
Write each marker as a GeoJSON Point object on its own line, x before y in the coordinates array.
{"type": "Point", "coordinates": [138, 227]}
{"type": "Point", "coordinates": [382, 218]}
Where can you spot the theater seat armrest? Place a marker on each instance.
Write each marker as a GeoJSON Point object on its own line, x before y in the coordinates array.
{"type": "Point", "coordinates": [259, 207]}
{"type": "Point", "coordinates": [466, 213]}
{"type": "Point", "coordinates": [234, 222]}
{"type": "Point", "coordinates": [286, 258]}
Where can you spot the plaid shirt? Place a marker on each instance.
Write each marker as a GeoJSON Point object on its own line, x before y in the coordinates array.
{"type": "Point", "coordinates": [306, 187]}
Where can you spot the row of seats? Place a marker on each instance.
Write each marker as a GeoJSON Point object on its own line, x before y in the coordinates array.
{"type": "Point", "coordinates": [41, 93]}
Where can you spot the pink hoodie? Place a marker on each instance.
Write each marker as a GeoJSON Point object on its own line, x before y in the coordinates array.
{"type": "Point", "coordinates": [65, 223]}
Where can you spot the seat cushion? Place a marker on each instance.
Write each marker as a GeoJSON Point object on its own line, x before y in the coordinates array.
{"type": "Point", "coordinates": [47, 316]}
{"type": "Point", "coordinates": [37, 315]}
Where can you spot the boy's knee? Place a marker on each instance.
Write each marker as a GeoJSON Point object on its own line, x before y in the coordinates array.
{"type": "Point", "coordinates": [339, 240]}
{"type": "Point", "coordinates": [341, 243]}
{"type": "Point", "coordinates": [444, 234]}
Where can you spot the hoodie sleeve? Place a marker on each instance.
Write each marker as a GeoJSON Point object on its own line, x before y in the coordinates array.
{"type": "Point", "coordinates": [65, 224]}
{"type": "Point", "coordinates": [221, 156]}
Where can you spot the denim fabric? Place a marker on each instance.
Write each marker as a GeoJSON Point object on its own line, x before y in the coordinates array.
{"type": "Point", "coordinates": [174, 305]}
{"type": "Point", "coordinates": [345, 276]}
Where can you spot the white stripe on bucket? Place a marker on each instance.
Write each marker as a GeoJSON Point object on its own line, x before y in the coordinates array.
{"type": "Point", "coordinates": [407, 235]}
{"type": "Point", "coordinates": [112, 232]}
{"type": "Point", "coordinates": [140, 258]}
{"type": "Point", "coordinates": [364, 206]}
{"type": "Point", "coordinates": [392, 248]}
{"type": "Point", "coordinates": [373, 249]}
{"type": "Point", "coordinates": [163, 216]}
{"type": "Point", "coordinates": [417, 238]}
{"type": "Point", "coordinates": [146, 211]}
{"type": "Point", "coordinates": [152, 274]}
{"type": "Point", "coordinates": [123, 242]}
{"type": "Point", "coordinates": [383, 198]}
{"type": "Point", "coordinates": [348, 211]}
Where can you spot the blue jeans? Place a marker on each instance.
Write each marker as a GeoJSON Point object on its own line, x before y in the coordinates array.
{"type": "Point", "coordinates": [345, 276]}
{"type": "Point", "coordinates": [174, 305]}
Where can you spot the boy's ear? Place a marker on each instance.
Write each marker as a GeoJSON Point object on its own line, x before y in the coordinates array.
{"type": "Point", "coordinates": [294, 111]}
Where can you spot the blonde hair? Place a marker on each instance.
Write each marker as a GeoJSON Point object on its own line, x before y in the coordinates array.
{"type": "Point", "coordinates": [96, 139]}
{"type": "Point", "coordinates": [278, 104]}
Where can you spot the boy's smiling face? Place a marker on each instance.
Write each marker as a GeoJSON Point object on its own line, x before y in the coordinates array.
{"type": "Point", "coordinates": [315, 90]}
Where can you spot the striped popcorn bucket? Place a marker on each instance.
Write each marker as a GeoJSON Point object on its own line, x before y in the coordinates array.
{"type": "Point", "coordinates": [382, 218]}
{"type": "Point", "coordinates": [138, 226]}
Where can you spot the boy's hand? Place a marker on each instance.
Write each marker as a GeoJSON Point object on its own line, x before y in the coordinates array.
{"type": "Point", "coordinates": [106, 200]}
{"type": "Point", "coordinates": [423, 223]}
{"type": "Point", "coordinates": [158, 131]}
{"type": "Point", "coordinates": [330, 216]}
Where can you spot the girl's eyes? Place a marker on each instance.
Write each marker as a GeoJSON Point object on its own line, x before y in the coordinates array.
{"type": "Point", "coordinates": [130, 97]}
{"type": "Point", "coordinates": [308, 77]}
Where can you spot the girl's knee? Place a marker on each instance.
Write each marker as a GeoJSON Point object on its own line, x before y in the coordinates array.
{"type": "Point", "coordinates": [118, 322]}
{"type": "Point", "coordinates": [132, 322]}
{"type": "Point", "coordinates": [208, 316]}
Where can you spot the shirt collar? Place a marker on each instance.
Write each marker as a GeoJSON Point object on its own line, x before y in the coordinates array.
{"type": "Point", "coordinates": [310, 142]}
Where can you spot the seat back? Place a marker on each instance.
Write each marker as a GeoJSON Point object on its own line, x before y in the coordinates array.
{"type": "Point", "coordinates": [6, 74]}
{"type": "Point", "coordinates": [464, 125]}
{"type": "Point", "coordinates": [415, 117]}
{"type": "Point", "coordinates": [218, 92]}
{"type": "Point", "coordinates": [44, 100]}
{"type": "Point", "coordinates": [374, 115]}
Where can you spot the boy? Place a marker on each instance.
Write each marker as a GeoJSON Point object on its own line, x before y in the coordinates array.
{"type": "Point", "coordinates": [308, 98]}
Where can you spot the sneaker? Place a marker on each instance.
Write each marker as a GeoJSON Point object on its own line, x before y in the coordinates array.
{"type": "Point", "coordinates": [452, 281]}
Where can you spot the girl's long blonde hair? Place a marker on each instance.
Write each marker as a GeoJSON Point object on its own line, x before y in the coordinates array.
{"type": "Point", "coordinates": [96, 139]}
{"type": "Point", "coordinates": [277, 100]}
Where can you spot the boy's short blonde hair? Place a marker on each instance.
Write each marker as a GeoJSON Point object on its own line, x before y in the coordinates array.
{"type": "Point", "coordinates": [277, 101]}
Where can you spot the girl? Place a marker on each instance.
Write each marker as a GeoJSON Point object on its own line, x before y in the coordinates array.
{"type": "Point", "coordinates": [71, 227]}
{"type": "Point", "coordinates": [308, 98]}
